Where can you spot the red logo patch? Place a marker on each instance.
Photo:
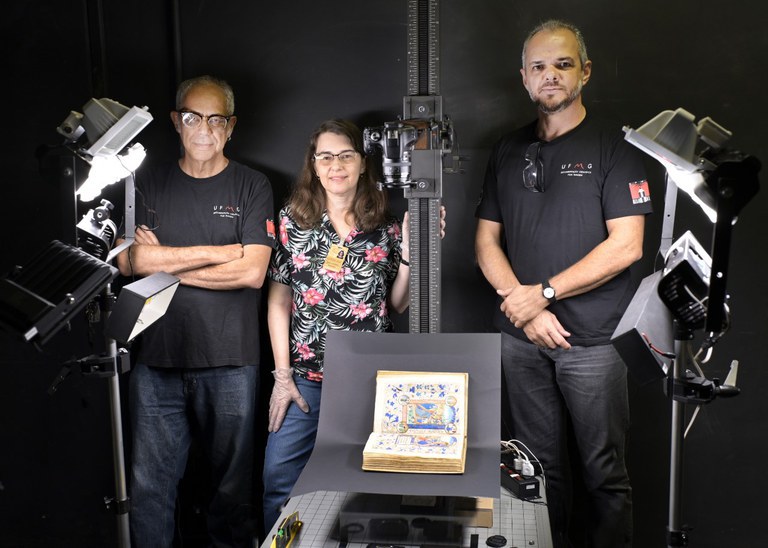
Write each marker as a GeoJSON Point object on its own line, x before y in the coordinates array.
{"type": "Point", "coordinates": [640, 192]}
{"type": "Point", "coordinates": [271, 228]}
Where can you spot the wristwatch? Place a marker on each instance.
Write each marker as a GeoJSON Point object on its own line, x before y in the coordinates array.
{"type": "Point", "coordinates": [548, 292]}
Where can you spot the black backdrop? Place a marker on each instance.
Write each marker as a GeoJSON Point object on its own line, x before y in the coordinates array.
{"type": "Point", "coordinates": [293, 64]}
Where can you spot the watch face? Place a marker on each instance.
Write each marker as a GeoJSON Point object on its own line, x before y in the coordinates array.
{"type": "Point", "coordinates": [549, 293]}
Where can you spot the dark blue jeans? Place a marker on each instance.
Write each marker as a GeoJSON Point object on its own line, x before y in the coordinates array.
{"type": "Point", "coordinates": [589, 385]}
{"type": "Point", "coordinates": [288, 450]}
{"type": "Point", "coordinates": [168, 407]}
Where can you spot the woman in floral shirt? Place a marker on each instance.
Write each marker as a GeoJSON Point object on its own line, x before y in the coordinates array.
{"type": "Point", "coordinates": [340, 263]}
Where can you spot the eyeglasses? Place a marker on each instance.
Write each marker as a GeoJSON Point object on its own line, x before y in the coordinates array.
{"type": "Point", "coordinates": [326, 158]}
{"type": "Point", "coordinates": [193, 119]}
{"type": "Point", "coordinates": [533, 172]}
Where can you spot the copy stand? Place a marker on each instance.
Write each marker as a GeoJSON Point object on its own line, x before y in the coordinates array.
{"type": "Point", "coordinates": [376, 512]}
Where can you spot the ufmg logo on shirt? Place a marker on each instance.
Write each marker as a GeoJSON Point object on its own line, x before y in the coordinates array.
{"type": "Point", "coordinates": [226, 211]}
{"type": "Point", "coordinates": [576, 169]}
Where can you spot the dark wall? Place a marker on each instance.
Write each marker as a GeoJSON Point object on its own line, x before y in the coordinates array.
{"type": "Point", "coordinates": [294, 64]}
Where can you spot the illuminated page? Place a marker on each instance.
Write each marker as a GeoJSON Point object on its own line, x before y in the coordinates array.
{"type": "Point", "coordinates": [419, 423]}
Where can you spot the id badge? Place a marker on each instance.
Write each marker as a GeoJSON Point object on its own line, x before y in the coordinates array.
{"type": "Point", "coordinates": [335, 258]}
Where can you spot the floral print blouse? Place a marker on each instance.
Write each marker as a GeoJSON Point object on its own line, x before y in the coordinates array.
{"type": "Point", "coordinates": [348, 296]}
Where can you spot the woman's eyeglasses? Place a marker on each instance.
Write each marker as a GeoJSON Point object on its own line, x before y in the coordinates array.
{"type": "Point", "coordinates": [533, 172]}
{"type": "Point", "coordinates": [326, 158]}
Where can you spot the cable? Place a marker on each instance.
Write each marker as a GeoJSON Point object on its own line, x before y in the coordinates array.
{"type": "Point", "coordinates": [148, 209]}
{"type": "Point", "coordinates": [670, 355]}
{"type": "Point", "coordinates": [693, 419]}
{"type": "Point", "coordinates": [508, 446]}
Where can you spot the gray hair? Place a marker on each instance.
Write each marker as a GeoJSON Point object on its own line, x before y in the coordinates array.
{"type": "Point", "coordinates": [553, 25]}
{"type": "Point", "coordinates": [226, 89]}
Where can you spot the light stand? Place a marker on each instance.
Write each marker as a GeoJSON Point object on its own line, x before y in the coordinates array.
{"type": "Point", "coordinates": [676, 535]}
{"type": "Point", "coordinates": [113, 362]}
{"type": "Point", "coordinates": [108, 365]}
{"type": "Point", "coordinates": [120, 504]}
{"type": "Point", "coordinates": [693, 287]}
{"type": "Point", "coordinates": [684, 388]}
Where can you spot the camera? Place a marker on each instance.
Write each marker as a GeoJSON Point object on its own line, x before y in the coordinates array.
{"type": "Point", "coordinates": [395, 142]}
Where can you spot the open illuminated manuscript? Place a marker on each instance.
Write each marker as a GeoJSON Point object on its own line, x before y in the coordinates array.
{"type": "Point", "coordinates": [420, 423]}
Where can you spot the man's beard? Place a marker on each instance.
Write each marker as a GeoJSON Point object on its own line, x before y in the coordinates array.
{"type": "Point", "coordinates": [562, 105]}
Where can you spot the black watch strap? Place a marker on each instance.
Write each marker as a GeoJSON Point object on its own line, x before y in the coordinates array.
{"type": "Point", "coordinates": [548, 292]}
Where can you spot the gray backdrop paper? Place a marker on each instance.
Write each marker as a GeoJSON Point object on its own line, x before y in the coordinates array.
{"type": "Point", "coordinates": [346, 414]}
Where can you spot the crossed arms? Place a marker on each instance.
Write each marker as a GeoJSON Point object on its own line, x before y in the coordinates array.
{"type": "Point", "coordinates": [218, 267]}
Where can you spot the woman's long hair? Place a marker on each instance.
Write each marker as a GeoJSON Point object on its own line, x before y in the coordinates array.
{"type": "Point", "coordinates": [307, 201]}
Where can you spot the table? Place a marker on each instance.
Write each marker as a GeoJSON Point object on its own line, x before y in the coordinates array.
{"type": "Point", "coordinates": [524, 524]}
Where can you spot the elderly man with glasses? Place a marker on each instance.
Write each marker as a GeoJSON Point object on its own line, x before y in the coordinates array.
{"type": "Point", "coordinates": [560, 221]}
{"type": "Point", "coordinates": [209, 221]}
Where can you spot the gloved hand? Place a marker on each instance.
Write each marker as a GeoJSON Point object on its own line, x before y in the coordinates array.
{"type": "Point", "coordinates": [283, 393]}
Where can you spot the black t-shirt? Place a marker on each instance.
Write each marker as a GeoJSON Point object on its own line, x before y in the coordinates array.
{"type": "Point", "coordinates": [589, 175]}
{"type": "Point", "coordinates": [204, 327]}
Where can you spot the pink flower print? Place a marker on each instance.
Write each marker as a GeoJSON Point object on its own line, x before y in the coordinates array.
{"type": "Point", "coordinates": [283, 231]}
{"type": "Point", "coordinates": [394, 230]}
{"type": "Point", "coordinates": [314, 375]}
{"type": "Point", "coordinates": [312, 296]}
{"type": "Point", "coordinates": [337, 276]}
{"type": "Point", "coordinates": [382, 309]}
{"type": "Point", "coordinates": [304, 351]}
{"type": "Point", "coordinates": [375, 254]}
{"type": "Point", "coordinates": [300, 261]}
{"type": "Point", "coordinates": [360, 310]}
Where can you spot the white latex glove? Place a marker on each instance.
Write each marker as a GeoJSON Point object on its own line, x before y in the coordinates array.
{"type": "Point", "coordinates": [283, 393]}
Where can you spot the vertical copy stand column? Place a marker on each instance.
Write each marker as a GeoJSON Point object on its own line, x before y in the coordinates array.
{"type": "Point", "coordinates": [676, 534]}
{"type": "Point", "coordinates": [120, 504]}
{"type": "Point", "coordinates": [424, 103]}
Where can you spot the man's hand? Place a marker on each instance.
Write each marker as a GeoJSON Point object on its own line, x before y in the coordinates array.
{"type": "Point", "coordinates": [545, 330]}
{"type": "Point", "coordinates": [522, 303]}
{"type": "Point", "coordinates": [144, 236]}
{"type": "Point", "coordinates": [283, 393]}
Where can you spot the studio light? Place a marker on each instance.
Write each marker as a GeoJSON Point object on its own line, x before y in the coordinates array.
{"type": "Point", "coordinates": [692, 285]}
{"type": "Point", "coordinates": [40, 298]}
{"type": "Point", "coordinates": [111, 126]}
{"type": "Point", "coordinates": [141, 304]}
{"type": "Point", "coordinates": [107, 170]}
{"type": "Point", "coordinates": [108, 127]}
{"type": "Point", "coordinates": [685, 281]}
{"type": "Point", "coordinates": [96, 232]}
{"type": "Point", "coordinates": [672, 138]}
{"type": "Point", "coordinates": [721, 181]}
{"type": "Point", "coordinates": [37, 300]}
